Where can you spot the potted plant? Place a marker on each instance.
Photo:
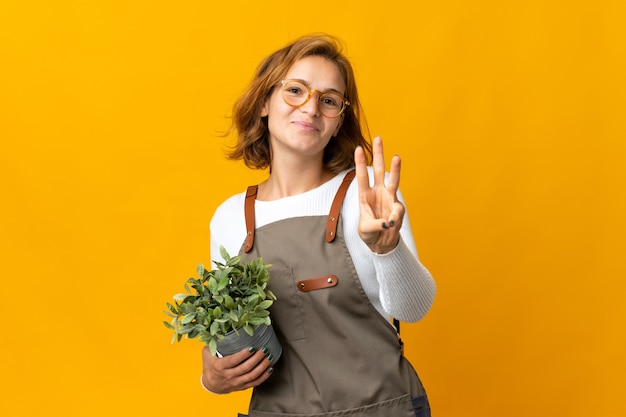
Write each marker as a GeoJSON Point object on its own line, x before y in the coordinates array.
{"type": "Point", "coordinates": [227, 308]}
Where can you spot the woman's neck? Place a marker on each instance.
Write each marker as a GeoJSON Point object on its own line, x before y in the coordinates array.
{"type": "Point", "coordinates": [288, 181]}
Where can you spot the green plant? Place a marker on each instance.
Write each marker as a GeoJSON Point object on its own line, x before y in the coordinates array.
{"type": "Point", "coordinates": [234, 296]}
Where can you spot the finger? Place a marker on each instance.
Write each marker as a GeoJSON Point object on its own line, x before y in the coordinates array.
{"type": "Point", "coordinates": [259, 371]}
{"type": "Point", "coordinates": [378, 161]}
{"type": "Point", "coordinates": [231, 361]}
{"type": "Point", "coordinates": [263, 366]}
{"type": "Point", "coordinates": [361, 170]}
{"type": "Point", "coordinates": [262, 377]}
{"type": "Point", "coordinates": [397, 215]}
{"type": "Point", "coordinates": [394, 176]}
{"type": "Point", "coordinates": [252, 362]}
{"type": "Point", "coordinates": [373, 226]}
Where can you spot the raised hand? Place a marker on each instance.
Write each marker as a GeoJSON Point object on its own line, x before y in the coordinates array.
{"type": "Point", "coordinates": [381, 212]}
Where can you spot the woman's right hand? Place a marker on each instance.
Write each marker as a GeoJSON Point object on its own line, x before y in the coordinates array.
{"type": "Point", "coordinates": [381, 212]}
{"type": "Point", "coordinates": [236, 372]}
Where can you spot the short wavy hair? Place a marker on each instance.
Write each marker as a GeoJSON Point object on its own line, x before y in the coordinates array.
{"type": "Point", "coordinates": [253, 145]}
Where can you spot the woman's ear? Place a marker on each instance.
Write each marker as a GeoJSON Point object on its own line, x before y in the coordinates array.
{"type": "Point", "coordinates": [265, 111]}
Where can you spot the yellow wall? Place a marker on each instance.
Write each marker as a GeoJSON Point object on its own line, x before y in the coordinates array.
{"type": "Point", "coordinates": [510, 120]}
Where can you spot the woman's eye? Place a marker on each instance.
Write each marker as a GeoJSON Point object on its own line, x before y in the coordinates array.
{"type": "Point", "coordinates": [329, 101]}
{"type": "Point", "coordinates": [294, 90]}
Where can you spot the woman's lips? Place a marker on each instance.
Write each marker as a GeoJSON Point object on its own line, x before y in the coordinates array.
{"type": "Point", "coordinates": [306, 126]}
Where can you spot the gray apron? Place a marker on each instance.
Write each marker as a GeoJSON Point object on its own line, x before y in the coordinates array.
{"type": "Point", "coordinates": [340, 356]}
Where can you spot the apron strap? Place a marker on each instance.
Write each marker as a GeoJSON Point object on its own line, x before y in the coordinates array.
{"type": "Point", "coordinates": [249, 213]}
{"type": "Point", "coordinates": [333, 216]}
{"type": "Point", "coordinates": [396, 324]}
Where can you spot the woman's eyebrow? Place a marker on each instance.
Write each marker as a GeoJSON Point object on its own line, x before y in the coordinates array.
{"type": "Point", "coordinates": [324, 91]}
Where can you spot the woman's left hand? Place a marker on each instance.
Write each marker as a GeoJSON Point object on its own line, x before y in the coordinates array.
{"type": "Point", "coordinates": [381, 212]}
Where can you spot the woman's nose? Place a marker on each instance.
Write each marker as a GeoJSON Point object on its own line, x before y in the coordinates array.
{"type": "Point", "coordinates": [312, 105]}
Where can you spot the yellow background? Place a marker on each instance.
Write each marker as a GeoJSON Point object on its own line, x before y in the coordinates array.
{"type": "Point", "coordinates": [509, 117]}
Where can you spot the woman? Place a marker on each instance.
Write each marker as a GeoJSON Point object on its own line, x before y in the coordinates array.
{"type": "Point", "coordinates": [344, 260]}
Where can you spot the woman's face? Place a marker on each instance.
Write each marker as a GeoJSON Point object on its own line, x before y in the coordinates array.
{"type": "Point", "coordinates": [303, 130]}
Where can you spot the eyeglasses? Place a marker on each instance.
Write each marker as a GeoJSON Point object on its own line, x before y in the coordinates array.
{"type": "Point", "coordinates": [296, 93]}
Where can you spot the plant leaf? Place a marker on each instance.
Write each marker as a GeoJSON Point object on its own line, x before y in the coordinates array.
{"type": "Point", "coordinates": [233, 316]}
{"type": "Point", "coordinates": [215, 326]}
{"type": "Point", "coordinates": [180, 296]}
{"type": "Point", "coordinates": [213, 346]}
{"type": "Point", "coordinates": [212, 284]}
{"type": "Point", "coordinates": [223, 283]}
{"type": "Point", "coordinates": [185, 329]}
{"type": "Point", "coordinates": [255, 321]}
{"type": "Point", "coordinates": [188, 318]}
{"type": "Point", "coordinates": [224, 253]}
{"type": "Point", "coordinates": [229, 302]}
{"type": "Point", "coordinates": [172, 308]}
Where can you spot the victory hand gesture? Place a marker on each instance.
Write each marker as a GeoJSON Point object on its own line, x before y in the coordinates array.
{"type": "Point", "coordinates": [381, 212]}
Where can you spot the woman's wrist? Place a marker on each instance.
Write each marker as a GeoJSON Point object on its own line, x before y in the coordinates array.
{"type": "Point", "coordinates": [204, 386]}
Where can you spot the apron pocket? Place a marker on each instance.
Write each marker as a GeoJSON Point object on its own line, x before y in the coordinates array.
{"type": "Point", "coordinates": [286, 312]}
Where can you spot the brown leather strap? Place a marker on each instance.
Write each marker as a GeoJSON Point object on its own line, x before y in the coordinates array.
{"type": "Point", "coordinates": [318, 283]}
{"type": "Point", "coordinates": [249, 213]}
{"type": "Point", "coordinates": [333, 217]}
{"type": "Point", "coordinates": [331, 223]}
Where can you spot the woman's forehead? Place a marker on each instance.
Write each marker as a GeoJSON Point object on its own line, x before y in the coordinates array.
{"type": "Point", "coordinates": [318, 72]}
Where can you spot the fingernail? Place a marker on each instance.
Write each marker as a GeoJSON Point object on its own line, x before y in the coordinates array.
{"type": "Point", "coordinates": [251, 349]}
{"type": "Point", "coordinates": [269, 357]}
{"type": "Point", "coordinates": [264, 350]}
{"type": "Point", "coordinates": [270, 370]}
{"type": "Point", "coordinates": [385, 226]}
{"type": "Point", "coordinates": [392, 223]}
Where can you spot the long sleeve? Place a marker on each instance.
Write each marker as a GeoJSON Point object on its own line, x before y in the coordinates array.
{"type": "Point", "coordinates": [407, 290]}
{"type": "Point", "coordinates": [397, 284]}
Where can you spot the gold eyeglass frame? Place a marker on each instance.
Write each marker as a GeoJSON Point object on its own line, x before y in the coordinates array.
{"type": "Point", "coordinates": [345, 103]}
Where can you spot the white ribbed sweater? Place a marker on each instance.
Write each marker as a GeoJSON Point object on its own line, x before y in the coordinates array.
{"type": "Point", "coordinates": [397, 284]}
